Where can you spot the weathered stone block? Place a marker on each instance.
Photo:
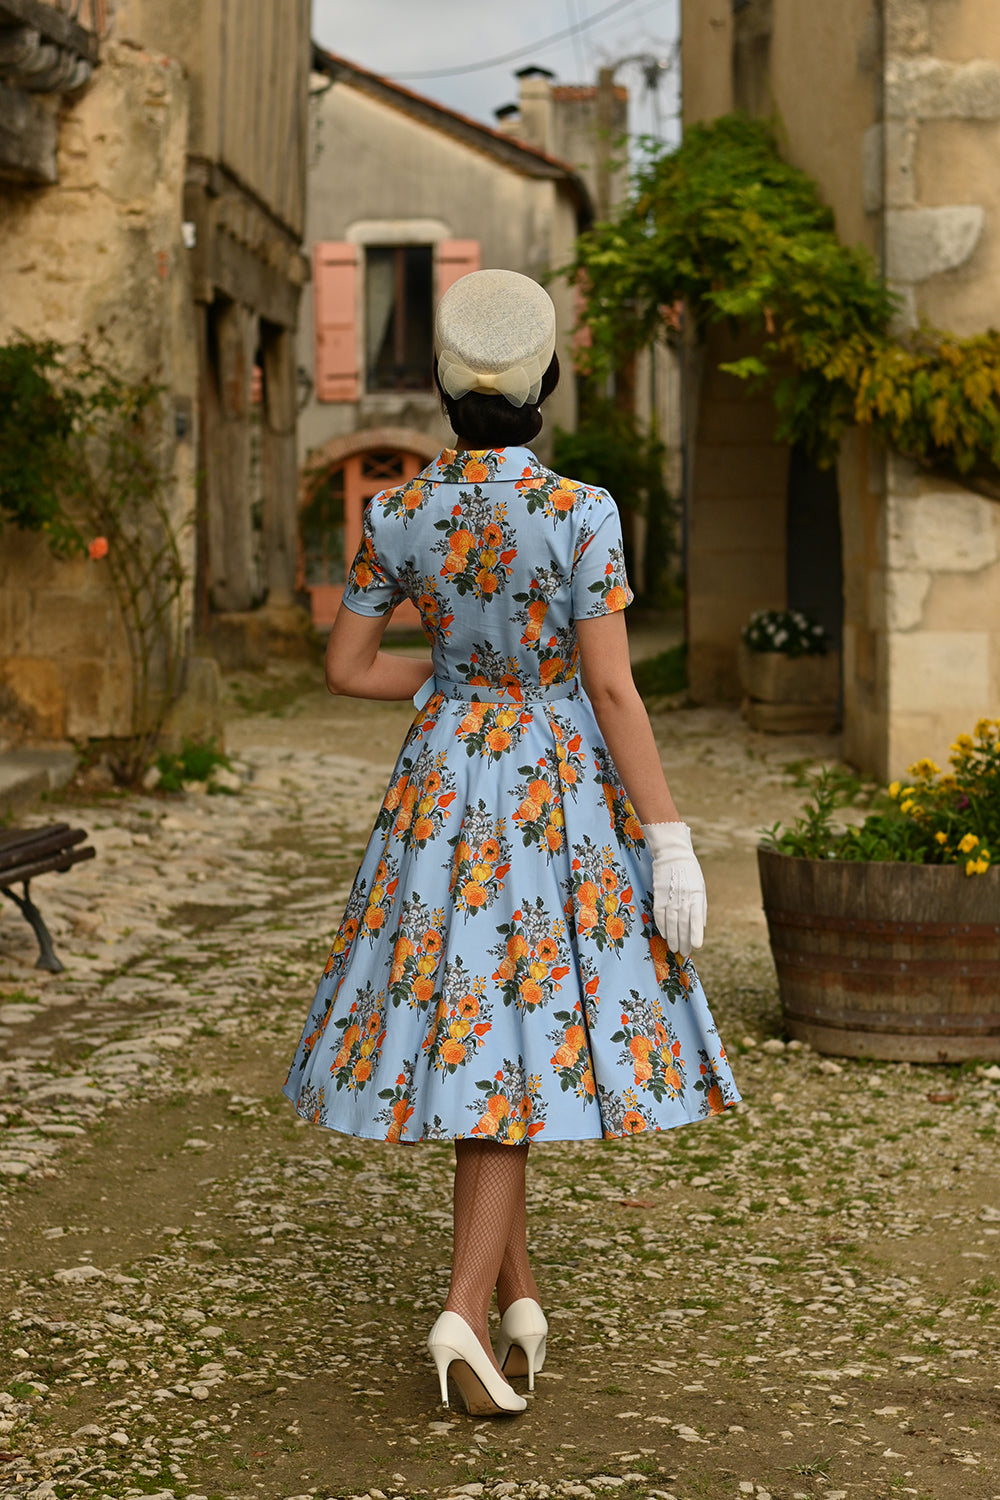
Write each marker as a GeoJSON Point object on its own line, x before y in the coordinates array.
{"type": "Point", "coordinates": [939, 671]}
{"type": "Point", "coordinates": [907, 25]}
{"type": "Point", "coordinates": [98, 700]}
{"type": "Point", "coordinates": [948, 532]}
{"type": "Point", "coordinates": [905, 595]}
{"type": "Point", "coordinates": [35, 685]}
{"type": "Point", "coordinates": [888, 175]}
{"type": "Point", "coordinates": [922, 242]}
{"type": "Point", "coordinates": [956, 600]}
{"type": "Point", "coordinates": [197, 713]}
{"type": "Point", "coordinates": [65, 625]}
{"type": "Point", "coordinates": [927, 88]}
{"type": "Point", "coordinates": [770, 677]}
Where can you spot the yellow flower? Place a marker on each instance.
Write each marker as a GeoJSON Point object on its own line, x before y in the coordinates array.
{"type": "Point", "coordinates": [983, 729]}
{"type": "Point", "coordinates": [924, 769]}
{"type": "Point", "coordinates": [907, 806]}
{"type": "Point", "coordinates": [894, 789]}
{"type": "Point", "coordinates": [962, 747]}
{"type": "Point", "coordinates": [942, 838]}
{"type": "Point", "coordinates": [976, 866]}
{"type": "Point", "coordinates": [967, 843]}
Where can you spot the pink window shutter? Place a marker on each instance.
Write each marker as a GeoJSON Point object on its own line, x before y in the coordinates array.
{"type": "Point", "coordinates": [455, 258]}
{"type": "Point", "coordinates": [335, 267]}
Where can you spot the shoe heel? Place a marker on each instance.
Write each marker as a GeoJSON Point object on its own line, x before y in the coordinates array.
{"type": "Point", "coordinates": [533, 1345]}
{"type": "Point", "coordinates": [442, 1357]}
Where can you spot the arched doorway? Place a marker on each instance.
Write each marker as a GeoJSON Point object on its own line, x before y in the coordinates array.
{"type": "Point", "coordinates": [341, 479]}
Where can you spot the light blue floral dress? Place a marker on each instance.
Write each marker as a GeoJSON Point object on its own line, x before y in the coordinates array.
{"type": "Point", "coordinates": [497, 973]}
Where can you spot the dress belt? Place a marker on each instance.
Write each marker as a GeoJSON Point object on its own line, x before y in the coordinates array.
{"type": "Point", "coordinates": [473, 692]}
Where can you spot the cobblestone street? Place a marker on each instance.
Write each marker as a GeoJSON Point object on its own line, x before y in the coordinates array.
{"type": "Point", "coordinates": [201, 1296]}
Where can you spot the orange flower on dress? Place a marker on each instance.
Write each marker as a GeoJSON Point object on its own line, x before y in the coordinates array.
{"type": "Point", "coordinates": [474, 894]}
{"type": "Point", "coordinates": [453, 1051]}
{"type": "Point", "coordinates": [498, 740]}
{"type": "Point", "coordinates": [475, 471]}
{"type": "Point", "coordinates": [587, 894]}
{"type": "Point", "coordinates": [633, 1123]}
{"type": "Point", "coordinates": [468, 1007]}
{"type": "Point", "coordinates": [615, 599]}
{"type": "Point", "coordinates": [423, 989]}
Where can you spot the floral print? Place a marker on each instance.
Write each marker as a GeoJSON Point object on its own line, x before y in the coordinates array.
{"type": "Point", "coordinates": [477, 547]}
{"type": "Point", "coordinates": [496, 972]}
{"type": "Point", "coordinates": [418, 802]}
{"type": "Point", "coordinates": [510, 1104]}
{"type": "Point", "coordinates": [482, 859]}
{"type": "Point", "coordinates": [600, 902]}
{"type": "Point", "coordinates": [532, 957]}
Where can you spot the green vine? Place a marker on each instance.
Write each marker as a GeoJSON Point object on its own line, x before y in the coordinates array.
{"type": "Point", "coordinates": [83, 467]}
{"type": "Point", "coordinates": [725, 229]}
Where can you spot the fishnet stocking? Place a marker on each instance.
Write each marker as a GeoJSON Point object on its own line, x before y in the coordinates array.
{"type": "Point", "coordinates": [515, 1279]}
{"type": "Point", "coordinates": [489, 1188]}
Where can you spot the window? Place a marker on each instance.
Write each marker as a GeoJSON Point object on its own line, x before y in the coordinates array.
{"type": "Point", "coordinates": [399, 330]}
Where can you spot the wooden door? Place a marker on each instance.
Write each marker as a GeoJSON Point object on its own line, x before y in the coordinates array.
{"type": "Point", "coordinates": [331, 529]}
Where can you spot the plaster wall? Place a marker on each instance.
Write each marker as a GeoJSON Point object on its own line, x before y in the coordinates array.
{"type": "Point", "coordinates": [378, 175]}
{"type": "Point", "coordinates": [98, 257]}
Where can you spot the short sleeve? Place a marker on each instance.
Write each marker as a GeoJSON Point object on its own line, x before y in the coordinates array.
{"type": "Point", "coordinates": [599, 584]}
{"type": "Point", "coordinates": [371, 587]}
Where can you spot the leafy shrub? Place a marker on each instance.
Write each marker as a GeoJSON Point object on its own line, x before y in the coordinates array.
{"type": "Point", "coordinates": [196, 762]}
{"type": "Point", "coordinates": [936, 818]}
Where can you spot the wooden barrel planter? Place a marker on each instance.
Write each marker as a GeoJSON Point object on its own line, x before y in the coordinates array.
{"type": "Point", "coordinates": [893, 961]}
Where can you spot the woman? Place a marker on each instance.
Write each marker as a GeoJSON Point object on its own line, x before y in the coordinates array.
{"type": "Point", "coordinates": [510, 964]}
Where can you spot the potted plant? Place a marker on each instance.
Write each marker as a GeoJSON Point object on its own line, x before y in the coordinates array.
{"type": "Point", "coordinates": [886, 934]}
{"type": "Point", "coordinates": [789, 674]}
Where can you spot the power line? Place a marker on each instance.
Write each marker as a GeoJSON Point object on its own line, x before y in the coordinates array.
{"type": "Point", "coordinates": [492, 62]}
{"type": "Point", "coordinates": [577, 49]}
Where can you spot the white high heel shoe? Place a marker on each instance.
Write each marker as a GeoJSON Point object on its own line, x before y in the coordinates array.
{"type": "Point", "coordinates": [522, 1339]}
{"type": "Point", "coordinates": [455, 1350]}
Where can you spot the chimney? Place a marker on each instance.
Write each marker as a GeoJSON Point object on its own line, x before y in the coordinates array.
{"type": "Point", "coordinates": [536, 107]}
{"type": "Point", "coordinates": [508, 118]}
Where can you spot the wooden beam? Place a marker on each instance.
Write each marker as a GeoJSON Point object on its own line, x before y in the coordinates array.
{"type": "Point", "coordinates": [28, 138]}
{"type": "Point", "coordinates": [52, 23]}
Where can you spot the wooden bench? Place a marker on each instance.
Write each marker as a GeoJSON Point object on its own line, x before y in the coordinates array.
{"type": "Point", "coordinates": [27, 852]}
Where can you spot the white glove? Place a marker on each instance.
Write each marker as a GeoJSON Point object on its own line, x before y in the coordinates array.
{"type": "Point", "coordinates": [680, 902]}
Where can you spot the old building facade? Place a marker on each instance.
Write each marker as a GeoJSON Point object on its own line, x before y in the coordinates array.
{"type": "Point", "coordinates": [158, 216]}
{"type": "Point", "coordinates": [405, 196]}
{"type": "Point", "coordinates": [894, 109]}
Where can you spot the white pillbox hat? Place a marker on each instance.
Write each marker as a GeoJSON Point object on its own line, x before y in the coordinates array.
{"type": "Point", "coordinates": [496, 334]}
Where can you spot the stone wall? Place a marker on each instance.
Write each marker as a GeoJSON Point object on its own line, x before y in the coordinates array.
{"type": "Point", "coordinates": [930, 172]}
{"type": "Point", "coordinates": [895, 110]}
{"type": "Point", "coordinates": [98, 256]}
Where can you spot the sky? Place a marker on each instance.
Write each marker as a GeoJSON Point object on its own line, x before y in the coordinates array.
{"type": "Point", "coordinates": [404, 38]}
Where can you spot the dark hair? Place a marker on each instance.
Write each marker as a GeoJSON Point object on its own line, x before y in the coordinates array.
{"type": "Point", "coordinates": [491, 421]}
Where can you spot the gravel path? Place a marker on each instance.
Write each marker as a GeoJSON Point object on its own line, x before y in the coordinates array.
{"type": "Point", "coordinates": [203, 1297]}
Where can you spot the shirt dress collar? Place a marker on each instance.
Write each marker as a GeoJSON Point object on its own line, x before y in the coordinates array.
{"type": "Point", "coordinates": [482, 466]}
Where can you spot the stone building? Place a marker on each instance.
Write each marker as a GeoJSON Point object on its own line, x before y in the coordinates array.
{"type": "Point", "coordinates": [152, 201]}
{"type": "Point", "coordinates": [894, 109]}
{"type": "Point", "coordinates": [405, 196]}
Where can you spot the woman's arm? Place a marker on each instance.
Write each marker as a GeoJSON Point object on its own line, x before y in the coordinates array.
{"type": "Point", "coordinates": [357, 668]}
{"type": "Point", "coordinates": [680, 906]}
{"type": "Point", "coordinates": [622, 717]}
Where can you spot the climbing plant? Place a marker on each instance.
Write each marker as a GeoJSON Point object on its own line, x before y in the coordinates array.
{"type": "Point", "coordinates": [724, 228]}
{"type": "Point", "coordinates": [82, 465]}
